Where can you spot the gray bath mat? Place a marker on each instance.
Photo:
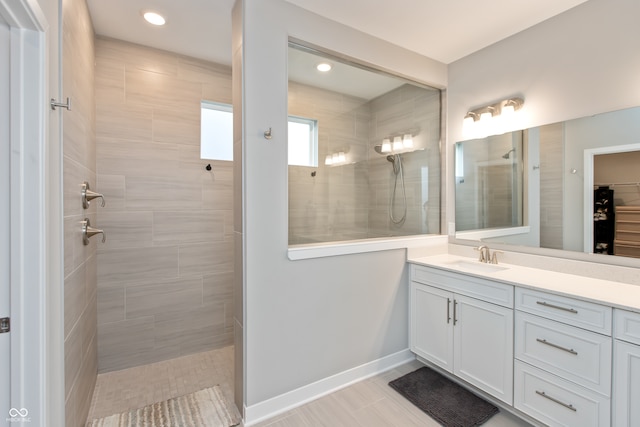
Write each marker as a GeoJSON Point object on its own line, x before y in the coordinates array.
{"type": "Point", "coordinates": [443, 400]}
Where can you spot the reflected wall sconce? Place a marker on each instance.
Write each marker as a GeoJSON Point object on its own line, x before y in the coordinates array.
{"type": "Point", "coordinates": [503, 108]}
{"type": "Point", "coordinates": [335, 159]}
{"type": "Point", "coordinates": [396, 144]}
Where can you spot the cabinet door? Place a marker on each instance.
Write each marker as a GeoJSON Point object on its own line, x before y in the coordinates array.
{"type": "Point", "coordinates": [431, 325]}
{"type": "Point", "coordinates": [626, 394]}
{"type": "Point", "coordinates": [483, 346]}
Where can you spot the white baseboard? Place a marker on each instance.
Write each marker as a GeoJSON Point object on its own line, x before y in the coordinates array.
{"type": "Point", "coordinates": [276, 405]}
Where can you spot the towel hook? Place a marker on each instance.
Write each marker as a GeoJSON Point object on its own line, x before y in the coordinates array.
{"type": "Point", "coordinates": [267, 134]}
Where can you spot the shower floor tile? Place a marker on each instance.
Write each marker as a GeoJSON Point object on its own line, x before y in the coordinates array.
{"type": "Point", "coordinates": [132, 388]}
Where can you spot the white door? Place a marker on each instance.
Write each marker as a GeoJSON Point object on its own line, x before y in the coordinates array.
{"type": "Point", "coordinates": [5, 251]}
{"type": "Point", "coordinates": [626, 391]}
{"type": "Point", "coordinates": [483, 346]}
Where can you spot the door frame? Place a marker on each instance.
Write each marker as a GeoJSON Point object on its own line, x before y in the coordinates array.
{"type": "Point", "coordinates": [36, 283]}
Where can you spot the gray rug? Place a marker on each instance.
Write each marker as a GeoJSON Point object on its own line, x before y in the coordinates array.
{"type": "Point", "coordinates": [442, 399]}
{"type": "Point", "coordinates": [204, 408]}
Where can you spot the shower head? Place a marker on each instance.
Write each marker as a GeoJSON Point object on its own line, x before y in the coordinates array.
{"type": "Point", "coordinates": [508, 153]}
{"type": "Point", "coordinates": [391, 158]}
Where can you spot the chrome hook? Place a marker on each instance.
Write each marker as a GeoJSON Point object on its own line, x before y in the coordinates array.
{"type": "Point", "coordinates": [88, 232]}
{"type": "Point", "coordinates": [267, 134]}
{"type": "Point", "coordinates": [88, 195]}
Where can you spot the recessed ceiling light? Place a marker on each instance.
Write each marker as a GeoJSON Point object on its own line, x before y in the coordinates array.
{"type": "Point", "coordinates": [324, 67]}
{"type": "Point", "coordinates": [154, 18]}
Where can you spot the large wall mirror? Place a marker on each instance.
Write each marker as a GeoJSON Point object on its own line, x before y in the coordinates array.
{"type": "Point", "coordinates": [368, 164]}
{"type": "Point", "coordinates": [578, 187]}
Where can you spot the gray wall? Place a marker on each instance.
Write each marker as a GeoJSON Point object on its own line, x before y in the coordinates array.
{"type": "Point", "coordinates": [307, 320]}
{"type": "Point", "coordinates": [79, 163]}
{"type": "Point", "coordinates": [165, 273]}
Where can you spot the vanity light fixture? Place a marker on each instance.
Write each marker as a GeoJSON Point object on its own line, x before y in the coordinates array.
{"type": "Point", "coordinates": [386, 145]}
{"type": "Point", "coordinates": [407, 141]}
{"type": "Point", "coordinates": [335, 159]}
{"type": "Point", "coordinates": [154, 18]}
{"type": "Point", "coordinates": [324, 67]}
{"type": "Point", "coordinates": [505, 107]}
{"type": "Point", "coordinates": [397, 143]}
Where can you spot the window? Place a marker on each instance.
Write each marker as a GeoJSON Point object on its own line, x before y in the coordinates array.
{"type": "Point", "coordinates": [216, 135]}
{"type": "Point", "coordinates": [216, 131]}
{"type": "Point", "coordinates": [303, 142]}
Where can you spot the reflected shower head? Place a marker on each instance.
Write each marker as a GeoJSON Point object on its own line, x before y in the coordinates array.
{"type": "Point", "coordinates": [508, 153]}
{"type": "Point", "coordinates": [391, 158]}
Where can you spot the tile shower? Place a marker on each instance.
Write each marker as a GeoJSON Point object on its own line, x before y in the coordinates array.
{"type": "Point", "coordinates": [165, 273]}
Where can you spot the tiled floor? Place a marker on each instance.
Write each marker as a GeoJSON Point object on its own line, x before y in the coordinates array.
{"type": "Point", "coordinates": [133, 388]}
{"type": "Point", "coordinates": [369, 403]}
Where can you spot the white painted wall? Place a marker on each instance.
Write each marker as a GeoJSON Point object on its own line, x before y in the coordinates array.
{"type": "Point", "coordinates": [310, 319]}
{"type": "Point", "coordinates": [579, 63]}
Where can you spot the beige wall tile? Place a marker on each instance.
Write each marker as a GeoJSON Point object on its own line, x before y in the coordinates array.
{"type": "Point", "coordinates": [112, 187]}
{"type": "Point", "coordinates": [123, 121]}
{"type": "Point", "coordinates": [175, 125]}
{"type": "Point", "coordinates": [136, 56]}
{"type": "Point", "coordinates": [217, 288]}
{"type": "Point", "coordinates": [206, 258]}
{"type": "Point", "coordinates": [74, 298]}
{"type": "Point", "coordinates": [188, 226]}
{"type": "Point", "coordinates": [110, 305]}
{"type": "Point", "coordinates": [135, 158]}
{"type": "Point", "coordinates": [129, 229]}
{"type": "Point", "coordinates": [164, 192]}
{"type": "Point", "coordinates": [130, 265]}
{"type": "Point", "coordinates": [72, 359]}
{"type": "Point", "coordinates": [124, 344]}
{"type": "Point", "coordinates": [163, 296]}
{"type": "Point", "coordinates": [156, 89]}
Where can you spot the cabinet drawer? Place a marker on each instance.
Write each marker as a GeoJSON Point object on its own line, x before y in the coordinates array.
{"type": "Point", "coordinates": [558, 402]}
{"type": "Point", "coordinates": [572, 353]}
{"type": "Point", "coordinates": [627, 326]}
{"type": "Point", "coordinates": [582, 314]}
{"type": "Point", "coordinates": [475, 287]}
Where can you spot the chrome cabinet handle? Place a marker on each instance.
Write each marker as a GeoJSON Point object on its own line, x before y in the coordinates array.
{"type": "Point", "coordinates": [448, 309]}
{"type": "Point", "coordinates": [455, 318]}
{"type": "Point", "coordinates": [559, 347]}
{"type": "Point", "coordinates": [88, 195]}
{"type": "Point", "coordinates": [557, 307]}
{"type": "Point", "coordinates": [566, 405]}
{"type": "Point", "coordinates": [88, 232]}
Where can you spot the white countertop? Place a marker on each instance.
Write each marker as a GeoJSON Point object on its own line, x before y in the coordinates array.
{"type": "Point", "coordinates": [615, 294]}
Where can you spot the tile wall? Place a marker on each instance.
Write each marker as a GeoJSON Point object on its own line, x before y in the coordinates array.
{"type": "Point", "coordinates": [165, 273]}
{"type": "Point", "coordinates": [551, 185]}
{"type": "Point", "coordinates": [351, 201]}
{"type": "Point", "coordinates": [79, 165]}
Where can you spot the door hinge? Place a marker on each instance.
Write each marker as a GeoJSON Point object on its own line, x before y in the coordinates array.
{"type": "Point", "coordinates": [5, 325]}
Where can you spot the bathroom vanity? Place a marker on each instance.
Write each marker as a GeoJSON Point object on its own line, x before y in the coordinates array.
{"type": "Point", "coordinates": [560, 348]}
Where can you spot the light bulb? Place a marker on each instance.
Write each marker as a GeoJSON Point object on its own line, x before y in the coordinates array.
{"type": "Point", "coordinates": [386, 145]}
{"type": "Point", "coordinates": [485, 117]}
{"type": "Point", "coordinates": [397, 143]}
{"type": "Point", "coordinates": [407, 141]}
{"type": "Point", "coordinates": [341, 157]}
{"type": "Point", "coordinates": [335, 158]}
{"type": "Point", "coordinates": [328, 160]}
{"type": "Point", "coordinates": [508, 110]}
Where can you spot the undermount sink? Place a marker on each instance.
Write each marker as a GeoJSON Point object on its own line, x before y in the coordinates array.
{"type": "Point", "coordinates": [477, 266]}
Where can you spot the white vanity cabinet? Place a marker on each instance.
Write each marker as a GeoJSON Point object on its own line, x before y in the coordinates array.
{"type": "Point", "coordinates": [464, 324]}
{"type": "Point", "coordinates": [562, 372]}
{"type": "Point", "coordinates": [626, 375]}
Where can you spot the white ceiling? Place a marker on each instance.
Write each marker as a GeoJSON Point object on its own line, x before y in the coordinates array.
{"type": "Point", "coordinates": [444, 30]}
